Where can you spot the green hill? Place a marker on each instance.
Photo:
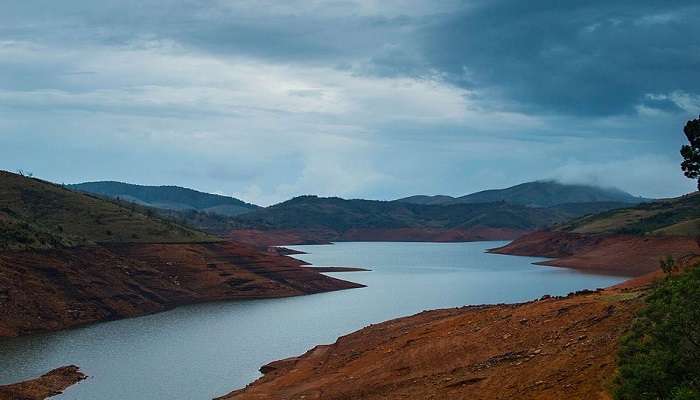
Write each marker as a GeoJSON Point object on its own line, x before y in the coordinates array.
{"type": "Point", "coordinates": [678, 217]}
{"type": "Point", "coordinates": [536, 194]}
{"type": "Point", "coordinates": [39, 214]}
{"type": "Point", "coordinates": [168, 197]}
{"type": "Point", "coordinates": [311, 212]}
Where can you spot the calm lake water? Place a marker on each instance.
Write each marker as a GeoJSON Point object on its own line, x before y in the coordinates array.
{"type": "Point", "coordinates": [206, 350]}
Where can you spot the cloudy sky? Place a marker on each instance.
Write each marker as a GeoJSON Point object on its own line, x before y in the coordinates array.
{"type": "Point", "coordinates": [268, 99]}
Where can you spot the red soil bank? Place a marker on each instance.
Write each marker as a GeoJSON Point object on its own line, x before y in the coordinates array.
{"type": "Point", "coordinates": [621, 254]}
{"type": "Point", "coordinates": [47, 385]}
{"type": "Point", "coordinates": [555, 348]}
{"type": "Point", "coordinates": [320, 236]}
{"type": "Point", "coordinates": [57, 289]}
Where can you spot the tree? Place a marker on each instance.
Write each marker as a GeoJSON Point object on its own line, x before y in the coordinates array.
{"type": "Point", "coordinates": [691, 152]}
{"type": "Point", "coordinates": [659, 358]}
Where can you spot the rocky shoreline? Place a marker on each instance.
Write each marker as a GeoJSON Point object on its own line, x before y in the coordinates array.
{"type": "Point", "coordinates": [551, 348]}
{"type": "Point", "coordinates": [626, 255]}
{"type": "Point", "coordinates": [57, 289]}
{"type": "Point", "coordinates": [50, 384]}
{"type": "Point", "coordinates": [556, 347]}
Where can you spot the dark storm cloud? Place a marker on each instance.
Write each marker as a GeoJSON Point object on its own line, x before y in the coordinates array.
{"type": "Point", "coordinates": [574, 57]}
{"type": "Point", "coordinates": [294, 32]}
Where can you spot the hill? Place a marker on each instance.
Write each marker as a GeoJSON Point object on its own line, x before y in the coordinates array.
{"type": "Point", "coordinates": [70, 258]}
{"type": "Point", "coordinates": [168, 197]}
{"type": "Point", "coordinates": [428, 200]}
{"type": "Point", "coordinates": [629, 241]}
{"type": "Point", "coordinates": [39, 214]}
{"type": "Point", "coordinates": [535, 194]}
{"type": "Point", "coordinates": [312, 212]}
{"type": "Point", "coordinates": [312, 219]}
{"type": "Point", "coordinates": [555, 348]}
{"type": "Point", "coordinates": [674, 217]}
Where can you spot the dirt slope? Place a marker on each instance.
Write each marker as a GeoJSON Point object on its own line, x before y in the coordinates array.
{"type": "Point", "coordinates": [47, 385]}
{"type": "Point", "coordinates": [60, 288]}
{"type": "Point", "coordinates": [629, 255]}
{"type": "Point", "coordinates": [555, 348]}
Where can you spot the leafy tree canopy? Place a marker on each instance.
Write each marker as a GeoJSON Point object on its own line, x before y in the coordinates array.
{"type": "Point", "coordinates": [691, 152]}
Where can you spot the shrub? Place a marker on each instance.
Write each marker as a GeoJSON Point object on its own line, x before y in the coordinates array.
{"type": "Point", "coordinates": [659, 358]}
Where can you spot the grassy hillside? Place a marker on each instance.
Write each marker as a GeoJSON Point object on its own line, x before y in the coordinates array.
{"type": "Point", "coordinates": [311, 212]}
{"type": "Point", "coordinates": [168, 197]}
{"type": "Point", "coordinates": [38, 214]}
{"type": "Point", "coordinates": [428, 200]}
{"type": "Point", "coordinates": [535, 194]}
{"type": "Point", "coordinates": [677, 217]}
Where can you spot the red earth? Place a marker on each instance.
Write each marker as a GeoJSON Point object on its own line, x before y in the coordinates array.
{"type": "Point", "coordinates": [47, 385]}
{"type": "Point", "coordinates": [619, 254]}
{"type": "Point", "coordinates": [57, 289]}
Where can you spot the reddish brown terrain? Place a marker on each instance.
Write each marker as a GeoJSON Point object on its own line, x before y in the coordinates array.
{"type": "Point", "coordinates": [621, 254]}
{"type": "Point", "coordinates": [275, 237]}
{"type": "Point", "coordinates": [47, 385]}
{"type": "Point", "coordinates": [554, 348]}
{"type": "Point", "coordinates": [45, 290]}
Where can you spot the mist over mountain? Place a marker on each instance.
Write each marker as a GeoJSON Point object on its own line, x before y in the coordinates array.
{"type": "Point", "coordinates": [535, 194]}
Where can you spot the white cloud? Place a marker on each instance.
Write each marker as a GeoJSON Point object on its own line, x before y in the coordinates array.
{"type": "Point", "coordinates": [647, 175]}
{"type": "Point", "coordinates": [332, 8]}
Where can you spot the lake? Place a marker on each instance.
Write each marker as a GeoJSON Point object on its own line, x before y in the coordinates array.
{"type": "Point", "coordinates": [207, 350]}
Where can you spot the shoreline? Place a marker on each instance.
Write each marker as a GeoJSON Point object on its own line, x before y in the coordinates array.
{"type": "Point", "coordinates": [52, 290]}
{"type": "Point", "coordinates": [553, 347]}
{"type": "Point", "coordinates": [277, 367]}
{"type": "Point", "coordinates": [627, 255]}
{"type": "Point", "coordinates": [47, 385]}
{"type": "Point", "coordinates": [300, 376]}
{"type": "Point", "coordinates": [291, 237]}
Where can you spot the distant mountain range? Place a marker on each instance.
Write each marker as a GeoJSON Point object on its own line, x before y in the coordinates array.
{"type": "Point", "coordinates": [341, 219]}
{"type": "Point", "coordinates": [535, 194]}
{"type": "Point", "coordinates": [312, 212]}
{"type": "Point", "coordinates": [168, 197]}
{"type": "Point", "coordinates": [521, 208]}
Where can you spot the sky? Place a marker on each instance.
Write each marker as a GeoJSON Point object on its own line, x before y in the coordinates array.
{"type": "Point", "coordinates": [265, 100]}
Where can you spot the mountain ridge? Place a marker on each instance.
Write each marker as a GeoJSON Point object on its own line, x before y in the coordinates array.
{"type": "Point", "coordinates": [543, 193]}
{"type": "Point", "coordinates": [313, 219]}
{"type": "Point", "coordinates": [168, 197]}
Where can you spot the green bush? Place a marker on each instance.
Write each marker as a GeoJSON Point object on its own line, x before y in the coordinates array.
{"type": "Point", "coordinates": [659, 358]}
